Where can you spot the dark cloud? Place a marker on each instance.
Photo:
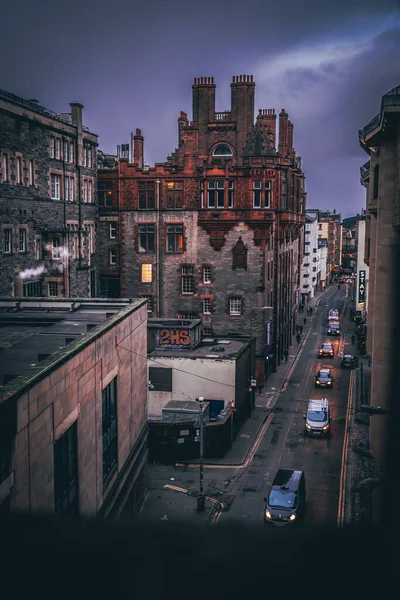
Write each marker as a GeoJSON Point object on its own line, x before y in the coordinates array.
{"type": "Point", "coordinates": [132, 65]}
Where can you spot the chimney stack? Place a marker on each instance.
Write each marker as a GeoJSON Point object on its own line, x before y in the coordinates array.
{"type": "Point", "coordinates": [290, 137]}
{"type": "Point", "coordinates": [76, 114]}
{"type": "Point", "coordinates": [268, 117]}
{"type": "Point", "coordinates": [138, 149]}
{"type": "Point", "coordinates": [182, 122]}
{"type": "Point", "coordinates": [283, 133]}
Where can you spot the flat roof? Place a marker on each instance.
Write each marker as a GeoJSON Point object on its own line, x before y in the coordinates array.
{"type": "Point", "coordinates": [58, 328]}
{"type": "Point", "coordinates": [212, 348]}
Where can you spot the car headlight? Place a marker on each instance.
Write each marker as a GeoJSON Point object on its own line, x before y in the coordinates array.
{"type": "Point", "coordinates": [328, 382]}
{"type": "Point", "coordinates": [317, 381]}
{"type": "Point", "coordinates": [308, 426]}
{"type": "Point", "coordinates": [325, 427]}
{"type": "Point", "coordinates": [268, 514]}
{"type": "Point", "coordinates": [292, 517]}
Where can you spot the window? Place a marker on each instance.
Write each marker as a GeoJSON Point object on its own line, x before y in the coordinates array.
{"type": "Point", "coordinates": [268, 192]}
{"type": "Point", "coordinates": [202, 194]}
{"type": "Point", "coordinates": [146, 238]}
{"type": "Point", "coordinates": [104, 193]}
{"type": "Point", "coordinates": [19, 169]}
{"type": "Point", "coordinates": [65, 150]}
{"type": "Point", "coordinates": [113, 257]}
{"type": "Point", "coordinates": [150, 303]}
{"type": "Point", "coordinates": [89, 228]}
{"type": "Point", "coordinates": [55, 186]}
{"type": "Point", "coordinates": [56, 250]}
{"type": "Point", "coordinates": [207, 331]}
{"type": "Point", "coordinates": [66, 498]}
{"type": "Point", "coordinates": [376, 182]}
{"type": "Point", "coordinates": [284, 189]}
{"type": "Point", "coordinates": [187, 315]}
{"type": "Point", "coordinates": [174, 194]}
{"type": "Point", "coordinates": [112, 231]}
{"type": "Point", "coordinates": [230, 194]}
{"type": "Point", "coordinates": [146, 195]}
{"type": "Point", "coordinates": [90, 191]}
{"type": "Point", "coordinates": [85, 151]}
{"type": "Point", "coordinates": [57, 148]}
{"type": "Point", "coordinates": [160, 379]}
{"type": "Point", "coordinates": [235, 306]}
{"type": "Point", "coordinates": [22, 240]}
{"type": "Point", "coordinates": [206, 306]}
{"type": "Point", "coordinates": [85, 190]}
{"type": "Point", "coordinates": [257, 194]}
{"type": "Point", "coordinates": [7, 241]}
{"type": "Point", "coordinates": [52, 147]}
{"type": "Point", "coordinates": [89, 158]}
{"type": "Point", "coordinates": [71, 189]}
{"type": "Point", "coordinates": [66, 187]}
{"type": "Point", "coordinates": [215, 194]}
{"type": "Point", "coordinates": [187, 273]}
{"type": "Point", "coordinates": [71, 152]}
{"type": "Point", "coordinates": [53, 289]}
{"type": "Point", "coordinates": [320, 226]}
{"type": "Point", "coordinates": [31, 173]}
{"type": "Point", "coordinates": [5, 167]}
{"type": "Point", "coordinates": [222, 150]}
{"type": "Point", "coordinates": [174, 238]}
{"type": "Point", "coordinates": [32, 289]}
{"type": "Point", "coordinates": [110, 430]}
{"type": "Point", "coordinates": [147, 273]}
{"type": "Point", "coordinates": [206, 274]}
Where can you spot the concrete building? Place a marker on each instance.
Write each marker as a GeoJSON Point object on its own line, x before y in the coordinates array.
{"type": "Point", "coordinates": [323, 262]}
{"type": "Point", "coordinates": [380, 138]}
{"type": "Point", "coordinates": [73, 422]}
{"type": "Point", "coordinates": [215, 231]}
{"type": "Point", "coordinates": [48, 208]}
{"type": "Point", "coordinates": [330, 228]}
{"type": "Point", "coordinates": [310, 269]}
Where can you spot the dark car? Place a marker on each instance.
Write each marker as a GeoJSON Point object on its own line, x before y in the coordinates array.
{"type": "Point", "coordinates": [324, 378]}
{"type": "Point", "coordinates": [333, 328]}
{"type": "Point", "coordinates": [326, 350]}
{"type": "Point", "coordinates": [349, 361]}
{"type": "Point", "coordinates": [286, 501]}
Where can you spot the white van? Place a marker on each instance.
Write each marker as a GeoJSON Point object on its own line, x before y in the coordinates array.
{"type": "Point", "coordinates": [318, 418]}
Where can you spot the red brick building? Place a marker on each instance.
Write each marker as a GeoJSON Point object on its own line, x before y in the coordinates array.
{"type": "Point", "coordinates": [215, 231]}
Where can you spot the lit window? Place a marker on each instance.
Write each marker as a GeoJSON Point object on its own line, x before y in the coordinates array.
{"type": "Point", "coordinates": [223, 150]}
{"type": "Point", "coordinates": [22, 240]}
{"type": "Point", "coordinates": [147, 273]}
{"type": "Point", "coordinates": [235, 306]}
{"type": "Point", "coordinates": [113, 257]}
{"type": "Point", "coordinates": [257, 194]}
{"type": "Point", "coordinates": [53, 289]}
{"type": "Point", "coordinates": [206, 274]}
{"type": "Point", "coordinates": [174, 238]}
{"type": "Point", "coordinates": [206, 306]}
{"type": "Point", "coordinates": [55, 186]}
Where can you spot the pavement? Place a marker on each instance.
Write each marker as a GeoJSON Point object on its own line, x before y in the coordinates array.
{"type": "Point", "coordinates": [174, 503]}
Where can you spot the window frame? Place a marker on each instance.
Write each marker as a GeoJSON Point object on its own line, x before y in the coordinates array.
{"type": "Point", "coordinates": [66, 472]}
{"type": "Point", "coordinates": [209, 305]}
{"type": "Point", "coordinates": [222, 155]}
{"type": "Point", "coordinates": [5, 168]}
{"type": "Point", "coordinates": [52, 286]}
{"type": "Point", "coordinates": [146, 195]}
{"type": "Point", "coordinates": [146, 238]}
{"type": "Point", "coordinates": [235, 312]}
{"type": "Point", "coordinates": [7, 232]}
{"type": "Point", "coordinates": [22, 240]}
{"type": "Point", "coordinates": [257, 193]}
{"type": "Point", "coordinates": [109, 424]}
{"type": "Point", "coordinates": [146, 273]}
{"type": "Point", "coordinates": [18, 170]}
{"type": "Point", "coordinates": [150, 302]}
{"type": "Point", "coordinates": [268, 193]}
{"type": "Point", "coordinates": [284, 195]}
{"type": "Point", "coordinates": [31, 172]}
{"type": "Point", "coordinates": [231, 192]}
{"type": "Point", "coordinates": [172, 233]}
{"type": "Point", "coordinates": [56, 177]}
{"type": "Point", "coordinates": [209, 279]}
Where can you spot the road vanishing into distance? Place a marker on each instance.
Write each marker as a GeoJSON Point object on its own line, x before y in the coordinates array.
{"type": "Point", "coordinates": [282, 443]}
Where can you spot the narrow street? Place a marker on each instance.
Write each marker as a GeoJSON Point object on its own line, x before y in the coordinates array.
{"type": "Point", "coordinates": [281, 444]}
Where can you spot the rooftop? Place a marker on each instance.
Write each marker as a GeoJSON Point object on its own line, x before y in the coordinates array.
{"type": "Point", "coordinates": [37, 335]}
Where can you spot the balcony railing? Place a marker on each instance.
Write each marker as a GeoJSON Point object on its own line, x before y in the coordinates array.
{"type": "Point", "coordinates": [225, 115]}
{"type": "Point", "coordinates": [392, 98]}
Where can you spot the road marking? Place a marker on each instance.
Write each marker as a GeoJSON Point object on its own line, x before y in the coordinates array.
{"type": "Point", "coordinates": [343, 470]}
{"type": "Point", "coordinates": [176, 489]}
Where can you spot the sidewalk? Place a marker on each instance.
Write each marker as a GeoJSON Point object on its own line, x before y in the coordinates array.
{"type": "Point", "coordinates": [266, 400]}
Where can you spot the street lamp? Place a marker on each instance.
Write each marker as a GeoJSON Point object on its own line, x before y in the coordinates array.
{"type": "Point", "coordinates": [201, 499]}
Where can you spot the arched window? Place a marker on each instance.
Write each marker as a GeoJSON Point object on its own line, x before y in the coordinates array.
{"type": "Point", "coordinates": [222, 150]}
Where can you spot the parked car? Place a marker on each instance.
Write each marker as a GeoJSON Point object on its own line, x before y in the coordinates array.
{"type": "Point", "coordinates": [349, 361]}
{"type": "Point", "coordinates": [326, 350]}
{"type": "Point", "coordinates": [324, 378]}
{"type": "Point", "coordinates": [286, 501]}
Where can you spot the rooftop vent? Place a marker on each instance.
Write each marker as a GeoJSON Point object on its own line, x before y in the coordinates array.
{"type": "Point", "coordinates": [212, 356]}
{"type": "Point", "coordinates": [223, 342]}
{"type": "Point", "coordinates": [218, 349]}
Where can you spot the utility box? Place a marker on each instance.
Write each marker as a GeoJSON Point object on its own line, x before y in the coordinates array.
{"type": "Point", "coordinates": [185, 410]}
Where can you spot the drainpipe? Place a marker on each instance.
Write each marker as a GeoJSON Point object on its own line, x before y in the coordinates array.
{"type": "Point", "coordinates": [66, 237]}
{"type": "Point", "coordinates": [158, 245]}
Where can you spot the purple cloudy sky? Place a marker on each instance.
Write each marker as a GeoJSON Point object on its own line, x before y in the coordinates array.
{"type": "Point", "coordinates": [132, 65]}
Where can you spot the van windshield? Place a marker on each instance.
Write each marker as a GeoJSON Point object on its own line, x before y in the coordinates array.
{"type": "Point", "coordinates": [282, 499]}
{"type": "Point", "coordinates": [317, 415]}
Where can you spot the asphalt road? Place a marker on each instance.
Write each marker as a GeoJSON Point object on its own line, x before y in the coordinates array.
{"type": "Point", "coordinates": [284, 444]}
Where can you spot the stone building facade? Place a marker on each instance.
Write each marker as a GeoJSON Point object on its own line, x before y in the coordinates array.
{"type": "Point", "coordinates": [380, 138]}
{"type": "Point", "coordinates": [215, 231]}
{"type": "Point", "coordinates": [48, 209]}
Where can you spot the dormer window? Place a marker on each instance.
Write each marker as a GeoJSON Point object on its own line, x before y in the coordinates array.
{"type": "Point", "coordinates": [222, 151]}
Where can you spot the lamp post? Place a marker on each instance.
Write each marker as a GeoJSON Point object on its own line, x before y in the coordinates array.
{"type": "Point", "coordinates": [201, 499]}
